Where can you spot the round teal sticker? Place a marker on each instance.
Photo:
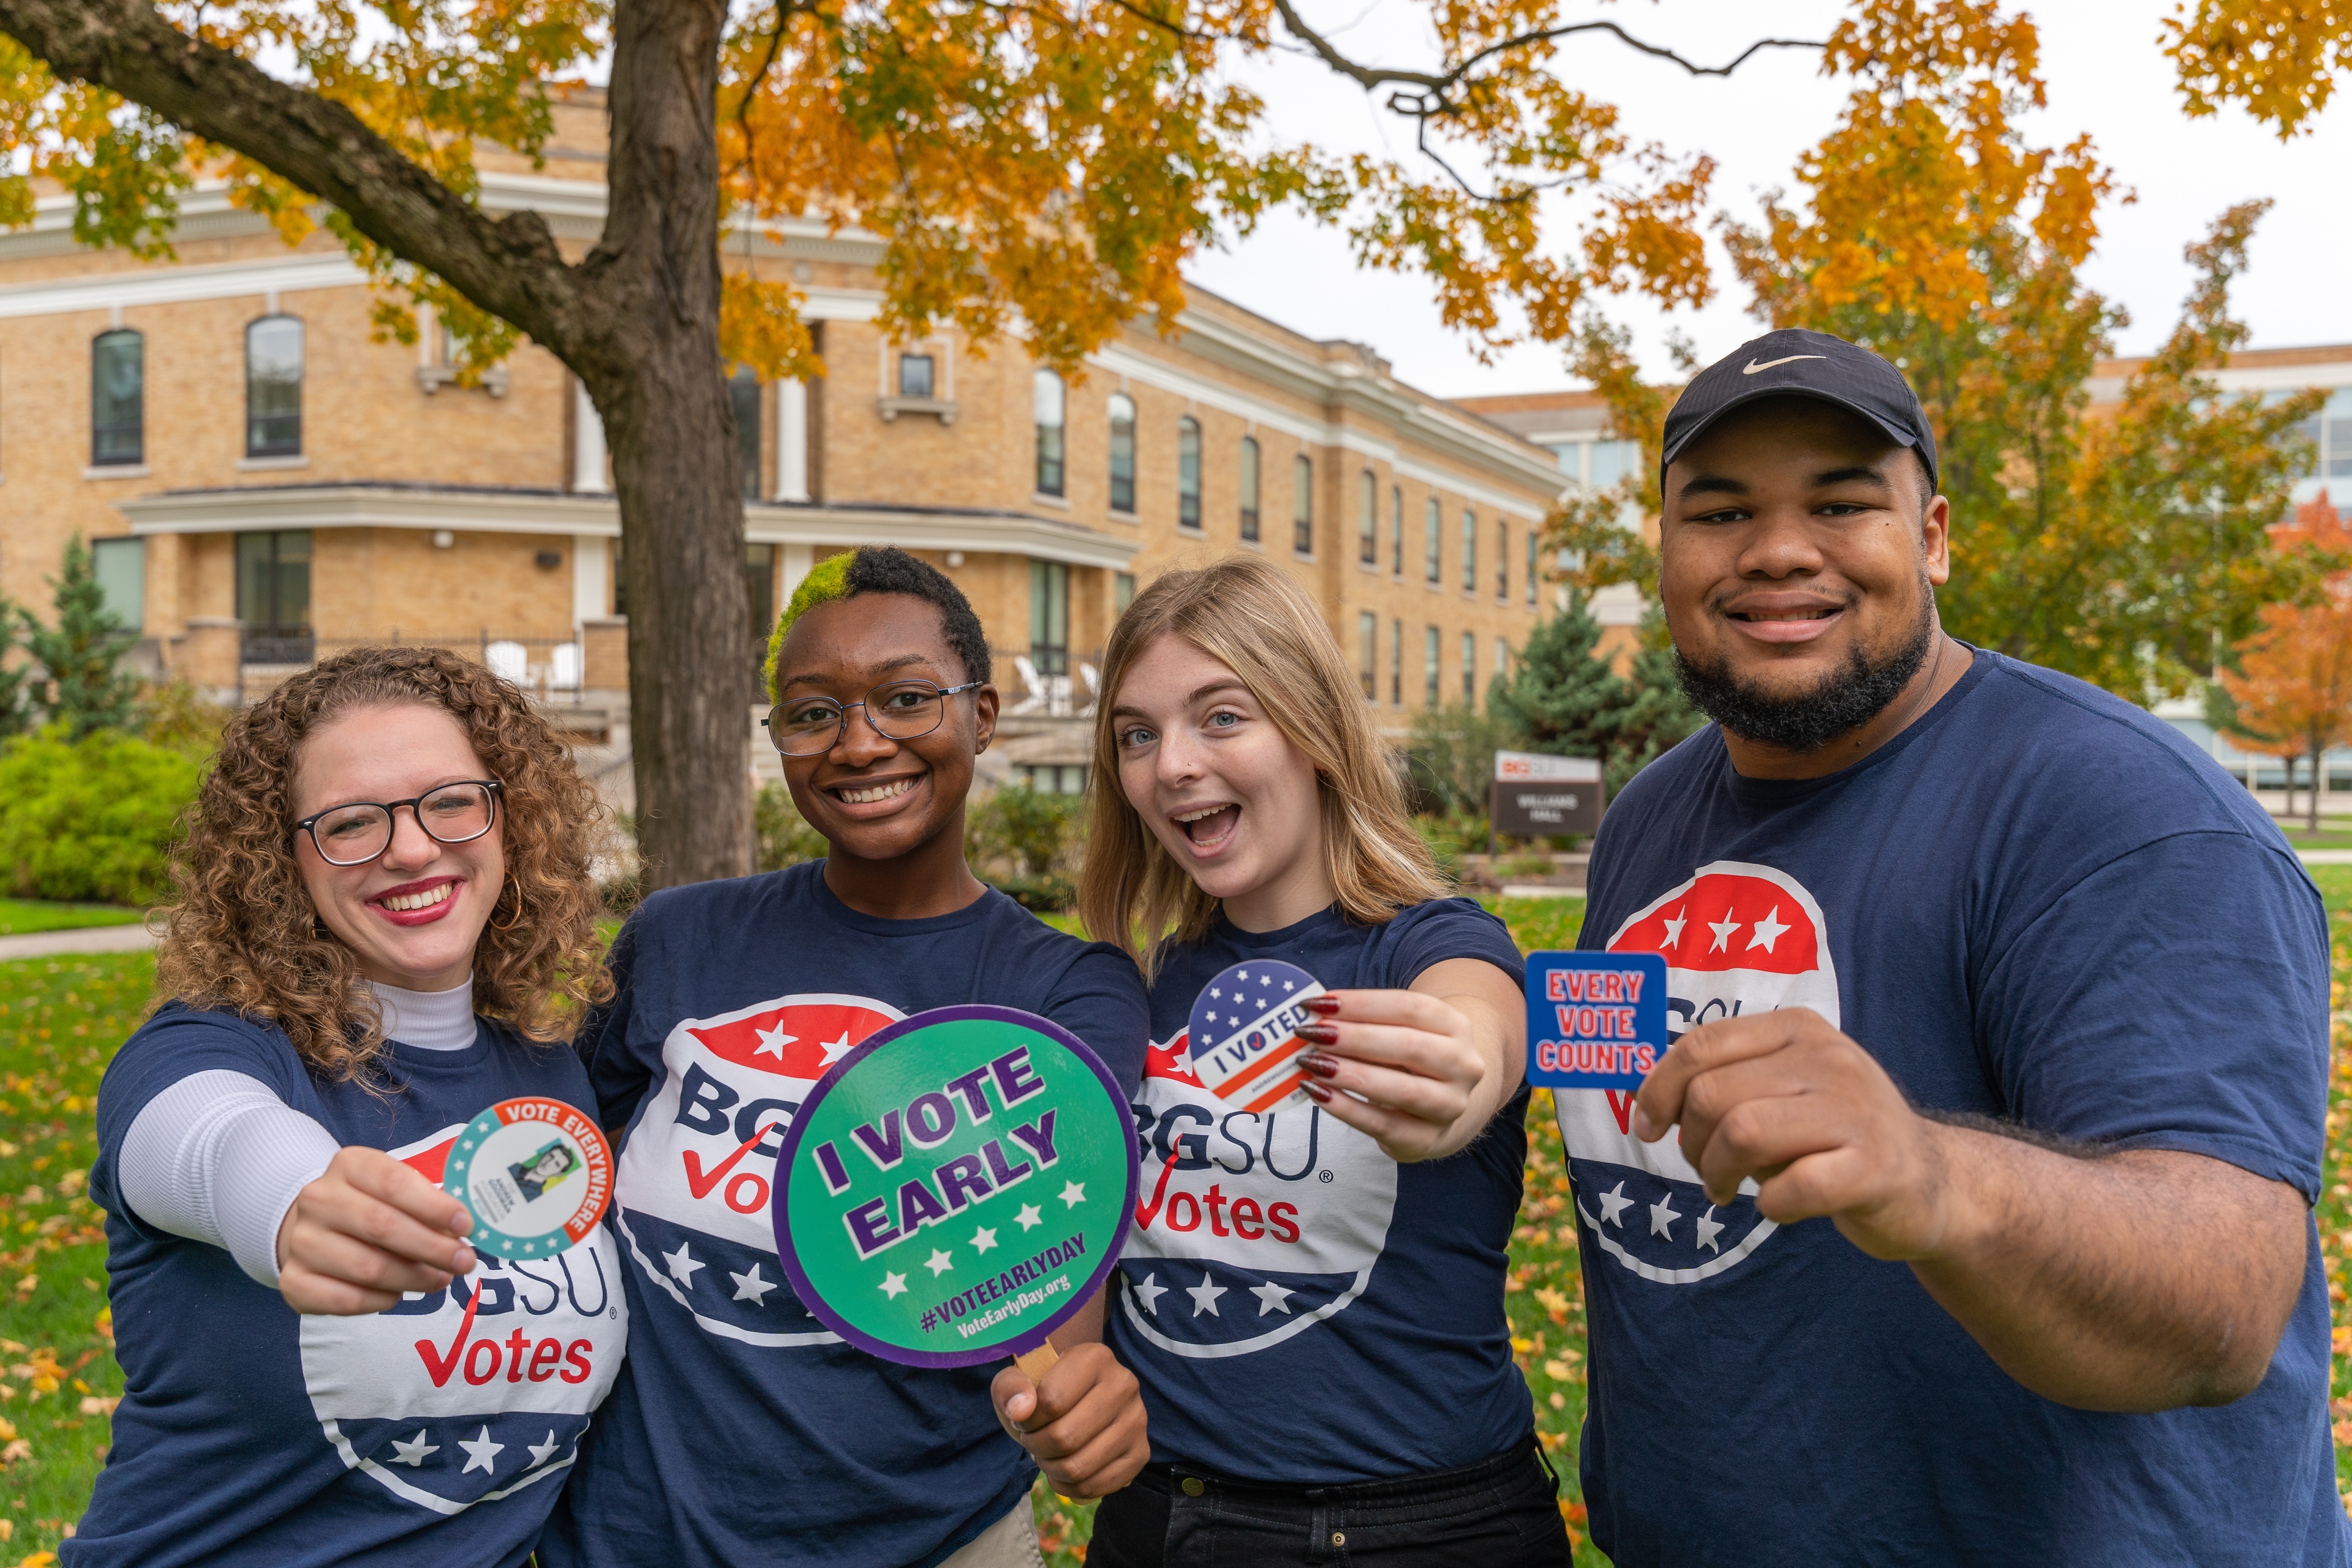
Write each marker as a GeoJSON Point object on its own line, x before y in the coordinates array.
{"type": "Point", "coordinates": [536, 1175]}
{"type": "Point", "coordinates": [956, 1187]}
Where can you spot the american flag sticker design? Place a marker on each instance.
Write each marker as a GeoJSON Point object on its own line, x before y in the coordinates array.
{"type": "Point", "coordinates": [1244, 1031]}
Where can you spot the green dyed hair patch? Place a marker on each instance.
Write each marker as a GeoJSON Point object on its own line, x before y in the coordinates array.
{"type": "Point", "coordinates": [827, 580]}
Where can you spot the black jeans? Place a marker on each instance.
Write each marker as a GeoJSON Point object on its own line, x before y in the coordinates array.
{"type": "Point", "coordinates": [1502, 1513]}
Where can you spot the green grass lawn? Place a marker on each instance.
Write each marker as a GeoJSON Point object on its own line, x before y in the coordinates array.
{"type": "Point", "coordinates": [61, 1019]}
{"type": "Point", "coordinates": [22, 917]}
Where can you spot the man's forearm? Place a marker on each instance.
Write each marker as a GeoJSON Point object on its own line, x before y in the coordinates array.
{"type": "Point", "coordinates": [2125, 1282]}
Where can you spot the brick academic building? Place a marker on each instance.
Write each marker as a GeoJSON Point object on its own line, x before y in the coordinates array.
{"type": "Point", "coordinates": [263, 481]}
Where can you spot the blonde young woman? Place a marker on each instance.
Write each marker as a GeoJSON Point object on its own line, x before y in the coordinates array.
{"type": "Point", "coordinates": [385, 921]}
{"type": "Point", "coordinates": [1312, 1298]}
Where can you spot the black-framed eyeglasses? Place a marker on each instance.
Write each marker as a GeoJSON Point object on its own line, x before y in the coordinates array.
{"type": "Point", "coordinates": [359, 831]}
{"type": "Point", "coordinates": [898, 710]}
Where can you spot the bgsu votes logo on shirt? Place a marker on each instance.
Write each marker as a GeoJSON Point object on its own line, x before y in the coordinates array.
{"type": "Point", "coordinates": [692, 1188]}
{"type": "Point", "coordinates": [1737, 939]}
{"type": "Point", "coordinates": [1249, 1227]}
{"type": "Point", "coordinates": [471, 1393]}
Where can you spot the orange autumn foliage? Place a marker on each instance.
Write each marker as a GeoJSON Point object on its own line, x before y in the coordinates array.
{"type": "Point", "coordinates": [2294, 685]}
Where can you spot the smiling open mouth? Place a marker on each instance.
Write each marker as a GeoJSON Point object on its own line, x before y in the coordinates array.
{"type": "Point", "coordinates": [402, 903]}
{"type": "Point", "coordinates": [1210, 824]}
{"type": "Point", "coordinates": [1814, 612]}
{"type": "Point", "coordinates": [874, 793]}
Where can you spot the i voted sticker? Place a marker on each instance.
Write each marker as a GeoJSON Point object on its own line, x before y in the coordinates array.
{"type": "Point", "coordinates": [535, 1173]}
{"type": "Point", "coordinates": [1245, 1030]}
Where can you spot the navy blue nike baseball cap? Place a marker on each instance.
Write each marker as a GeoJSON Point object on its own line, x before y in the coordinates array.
{"type": "Point", "coordinates": [1794, 363]}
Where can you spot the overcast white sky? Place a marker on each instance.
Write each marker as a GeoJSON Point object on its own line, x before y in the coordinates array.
{"type": "Point", "coordinates": [2106, 77]}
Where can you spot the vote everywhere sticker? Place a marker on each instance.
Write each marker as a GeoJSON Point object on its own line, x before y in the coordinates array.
{"type": "Point", "coordinates": [956, 1187]}
{"type": "Point", "coordinates": [1245, 1030]}
{"type": "Point", "coordinates": [535, 1173]}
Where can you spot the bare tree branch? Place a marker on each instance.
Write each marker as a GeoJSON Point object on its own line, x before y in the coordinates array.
{"type": "Point", "coordinates": [1435, 85]}
{"type": "Point", "coordinates": [509, 266]}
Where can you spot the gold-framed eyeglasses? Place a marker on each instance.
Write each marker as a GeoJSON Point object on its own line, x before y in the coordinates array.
{"type": "Point", "coordinates": [897, 710]}
{"type": "Point", "coordinates": [360, 831]}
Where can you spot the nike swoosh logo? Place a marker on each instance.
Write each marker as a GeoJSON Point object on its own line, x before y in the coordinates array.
{"type": "Point", "coordinates": [1751, 367]}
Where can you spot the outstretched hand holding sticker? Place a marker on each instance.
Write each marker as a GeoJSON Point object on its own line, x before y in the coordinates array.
{"type": "Point", "coordinates": [957, 1188]}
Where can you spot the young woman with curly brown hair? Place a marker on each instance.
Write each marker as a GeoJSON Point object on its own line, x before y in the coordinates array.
{"type": "Point", "coordinates": [385, 922]}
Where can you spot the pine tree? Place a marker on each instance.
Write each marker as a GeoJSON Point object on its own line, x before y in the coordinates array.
{"type": "Point", "coordinates": [1563, 698]}
{"type": "Point", "coordinates": [16, 692]}
{"type": "Point", "coordinates": [84, 686]}
{"type": "Point", "coordinates": [1656, 713]}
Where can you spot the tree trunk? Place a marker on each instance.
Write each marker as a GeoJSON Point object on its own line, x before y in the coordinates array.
{"type": "Point", "coordinates": [2318, 777]}
{"type": "Point", "coordinates": [637, 320]}
{"type": "Point", "coordinates": [672, 434]}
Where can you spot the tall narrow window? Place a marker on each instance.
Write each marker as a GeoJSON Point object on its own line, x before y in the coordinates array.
{"type": "Point", "coordinates": [1502, 561]}
{"type": "Point", "coordinates": [1049, 616]}
{"type": "Point", "coordinates": [1429, 669]}
{"type": "Point", "coordinates": [273, 596]}
{"type": "Point", "coordinates": [1430, 543]}
{"type": "Point", "coordinates": [1469, 550]}
{"type": "Point", "coordinates": [1046, 395]}
{"type": "Point", "coordinates": [1249, 487]}
{"type": "Point", "coordinates": [1396, 515]}
{"type": "Point", "coordinates": [1122, 452]}
{"type": "Point", "coordinates": [273, 387]}
{"type": "Point", "coordinates": [1368, 526]}
{"type": "Point", "coordinates": [1122, 592]}
{"type": "Point", "coordinates": [120, 567]}
{"type": "Point", "coordinates": [1533, 544]}
{"type": "Point", "coordinates": [1302, 505]}
{"type": "Point", "coordinates": [1396, 662]}
{"type": "Point", "coordinates": [1368, 653]}
{"type": "Point", "coordinates": [1502, 658]}
{"type": "Point", "coordinates": [118, 399]}
{"type": "Point", "coordinates": [743, 398]}
{"type": "Point", "coordinates": [1470, 669]}
{"type": "Point", "coordinates": [1187, 472]}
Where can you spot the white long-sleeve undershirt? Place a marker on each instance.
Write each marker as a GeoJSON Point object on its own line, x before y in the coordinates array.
{"type": "Point", "coordinates": [218, 1157]}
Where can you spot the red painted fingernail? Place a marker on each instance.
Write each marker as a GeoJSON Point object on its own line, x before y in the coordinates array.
{"type": "Point", "coordinates": [1327, 1005]}
{"type": "Point", "coordinates": [1319, 1093]}
{"type": "Point", "coordinates": [1318, 1064]}
{"type": "Point", "coordinates": [1321, 1034]}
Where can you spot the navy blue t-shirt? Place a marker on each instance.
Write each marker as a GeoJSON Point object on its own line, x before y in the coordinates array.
{"type": "Point", "coordinates": [1301, 1310]}
{"type": "Point", "coordinates": [744, 1432]}
{"type": "Point", "coordinates": [249, 1434]}
{"type": "Point", "coordinates": [2037, 903]}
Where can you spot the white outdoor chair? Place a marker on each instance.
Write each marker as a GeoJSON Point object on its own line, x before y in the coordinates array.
{"type": "Point", "coordinates": [1092, 678]}
{"type": "Point", "coordinates": [564, 672]}
{"type": "Point", "coordinates": [1033, 682]}
{"type": "Point", "coordinates": [508, 661]}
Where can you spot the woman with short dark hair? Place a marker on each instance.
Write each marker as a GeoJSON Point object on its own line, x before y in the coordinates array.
{"type": "Point", "coordinates": [386, 924]}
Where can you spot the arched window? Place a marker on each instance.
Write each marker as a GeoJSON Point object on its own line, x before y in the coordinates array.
{"type": "Point", "coordinates": [1249, 487]}
{"type": "Point", "coordinates": [1469, 550]}
{"type": "Point", "coordinates": [1045, 393]}
{"type": "Point", "coordinates": [1368, 525]}
{"type": "Point", "coordinates": [273, 387]}
{"type": "Point", "coordinates": [118, 398]}
{"type": "Point", "coordinates": [1187, 472]}
{"type": "Point", "coordinates": [1122, 452]}
{"type": "Point", "coordinates": [1302, 504]}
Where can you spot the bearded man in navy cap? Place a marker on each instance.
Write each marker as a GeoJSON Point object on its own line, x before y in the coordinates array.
{"type": "Point", "coordinates": [1968, 1219]}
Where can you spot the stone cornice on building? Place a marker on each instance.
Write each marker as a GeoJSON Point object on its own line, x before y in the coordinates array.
{"type": "Point", "coordinates": [475, 508]}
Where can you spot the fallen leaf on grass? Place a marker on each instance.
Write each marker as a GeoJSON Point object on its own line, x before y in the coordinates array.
{"type": "Point", "coordinates": [101, 1405]}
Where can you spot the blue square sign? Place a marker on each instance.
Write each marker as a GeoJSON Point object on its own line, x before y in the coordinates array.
{"type": "Point", "coordinates": [1595, 1020]}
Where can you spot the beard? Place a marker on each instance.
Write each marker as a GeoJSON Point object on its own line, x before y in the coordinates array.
{"type": "Point", "coordinates": [1838, 704]}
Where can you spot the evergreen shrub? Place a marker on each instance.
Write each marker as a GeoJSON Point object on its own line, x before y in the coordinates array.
{"type": "Point", "coordinates": [90, 820]}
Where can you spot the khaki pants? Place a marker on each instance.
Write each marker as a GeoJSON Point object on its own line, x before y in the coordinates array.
{"type": "Point", "coordinates": [1010, 1543]}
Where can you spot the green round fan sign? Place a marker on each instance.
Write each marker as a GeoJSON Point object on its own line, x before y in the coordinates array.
{"type": "Point", "coordinates": [957, 1187]}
